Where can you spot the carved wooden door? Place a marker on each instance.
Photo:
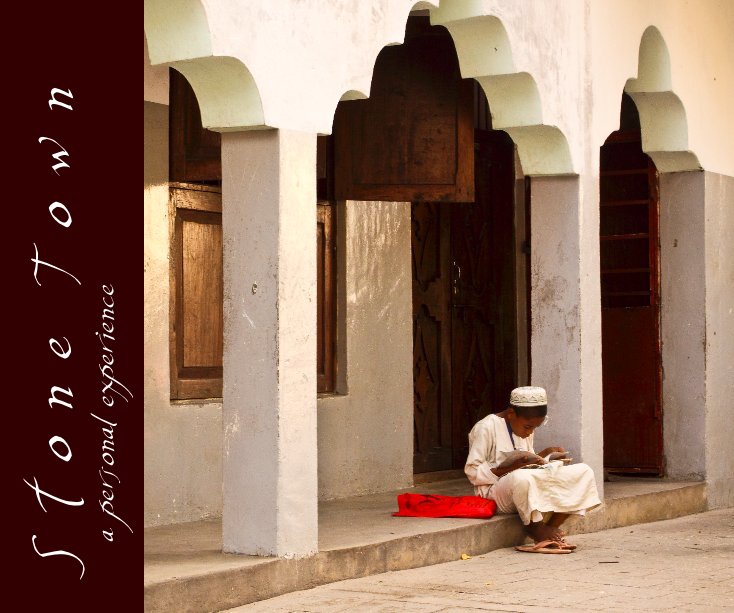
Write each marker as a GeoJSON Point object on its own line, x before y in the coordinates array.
{"type": "Point", "coordinates": [484, 338]}
{"type": "Point", "coordinates": [464, 326]}
{"type": "Point", "coordinates": [431, 337]}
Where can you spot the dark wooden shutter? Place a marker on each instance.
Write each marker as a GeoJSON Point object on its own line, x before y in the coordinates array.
{"type": "Point", "coordinates": [197, 329]}
{"type": "Point", "coordinates": [412, 140]}
{"type": "Point", "coordinates": [195, 154]}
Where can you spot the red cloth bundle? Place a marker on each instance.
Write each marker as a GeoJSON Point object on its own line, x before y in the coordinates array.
{"type": "Point", "coordinates": [435, 505]}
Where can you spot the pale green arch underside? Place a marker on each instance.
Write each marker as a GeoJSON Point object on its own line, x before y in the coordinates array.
{"type": "Point", "coordinates": [663, 120]}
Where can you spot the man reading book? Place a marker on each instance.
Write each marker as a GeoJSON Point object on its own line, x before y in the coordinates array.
{"type": "Point", "coordinates": [501, 446]}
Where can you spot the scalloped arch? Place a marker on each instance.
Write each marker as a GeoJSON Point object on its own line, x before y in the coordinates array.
{"type": "Point", "coordinates": [176, 30]}
{"type": "Point", "coordinates": [514, 100]}
{"type": "Point", "coordinates": [478, 60]}
{"type": "Point", "coordinates": [178, 34]}
{"type": "Point", "coordinates": [484, 51]}
{"type": "Point", "coordinates": [662, 115]}
{"type": "Point", "coordinates": [226, 92]}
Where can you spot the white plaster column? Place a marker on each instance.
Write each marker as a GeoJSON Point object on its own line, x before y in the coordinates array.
{"type": "Point", "coordinates": [697, 279]}
{"type": "Point", "coordinates": [683, 322]}
{"type": "Point", "coordinates": [565, 319]}
{"type": "Point", "coordinates": [269, 416]}
{"type": "Point", "coordinates": [719, 339]}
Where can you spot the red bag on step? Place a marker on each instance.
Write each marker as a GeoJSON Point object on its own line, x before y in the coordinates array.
{"type": "Point", "coordinates": [435, 505]}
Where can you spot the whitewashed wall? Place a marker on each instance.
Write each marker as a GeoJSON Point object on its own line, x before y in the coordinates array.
{"type": "Point", "coordinates": [366, 433]}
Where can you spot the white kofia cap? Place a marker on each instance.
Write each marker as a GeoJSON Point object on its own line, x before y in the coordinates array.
{"type": "Point", "coordinates": [528, 397]}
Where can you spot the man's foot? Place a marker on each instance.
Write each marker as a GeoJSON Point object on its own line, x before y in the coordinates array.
{"type": "Point", "coordinates": [538, 531]}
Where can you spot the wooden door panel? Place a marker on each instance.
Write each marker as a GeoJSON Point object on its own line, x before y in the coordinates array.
{"type": "Point", "coordinates": [203, 291]}
{"type": "Point", "coordinates": [464, 326]}
{"type": "Point", "coordinates": [631, 412]}
{"type": "Point", "coordinates": [431, 338]}
{"type": "Point", "coordinates": [484, 341]}
{"type": "Point", "coordinates": [432, 417]}
{"type": "Point", "coordinates": [475, 373]}
{"type": "Point", "coordinates": [473, 318]}
{"type": "Point", "coordinates": [197, 328]}
{"type": "Point", "coordinates": [483, 294]}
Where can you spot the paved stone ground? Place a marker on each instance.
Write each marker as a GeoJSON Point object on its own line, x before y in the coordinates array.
{"type": "Point", "coordinates": [684, 564]}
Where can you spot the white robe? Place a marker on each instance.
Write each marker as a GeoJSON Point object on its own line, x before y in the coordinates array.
{"type": "Point", "coordinates": [529, 492]}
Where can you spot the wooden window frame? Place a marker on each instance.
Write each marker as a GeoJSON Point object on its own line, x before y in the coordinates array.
{"type": "Point", "coordinates": [195, 172]}
{"type": "Point", "coordinates": [204, 204]}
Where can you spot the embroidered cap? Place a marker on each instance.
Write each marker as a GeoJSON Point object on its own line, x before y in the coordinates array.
{"type": "Point", "coordinates": [528, 397]}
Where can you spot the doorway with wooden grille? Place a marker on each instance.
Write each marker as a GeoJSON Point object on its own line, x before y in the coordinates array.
{"type": "Point", "coordinates": [630, 299]}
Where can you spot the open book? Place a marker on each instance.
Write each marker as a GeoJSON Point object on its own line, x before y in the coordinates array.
{"type": "Point", "coordinates": [557, 455]}
{"type": "Point", "coordinates": [512, 457]}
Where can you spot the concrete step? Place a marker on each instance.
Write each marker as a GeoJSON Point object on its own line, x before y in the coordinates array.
{"type": "Point", "coordinates": [185, 570]}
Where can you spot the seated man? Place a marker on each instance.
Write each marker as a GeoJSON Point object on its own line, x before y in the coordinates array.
{"type": "Point", "coordinates": [554, 489]}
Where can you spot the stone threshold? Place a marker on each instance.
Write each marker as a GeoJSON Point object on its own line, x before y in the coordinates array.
{"type": "Point", "coordinates": [186, 572]}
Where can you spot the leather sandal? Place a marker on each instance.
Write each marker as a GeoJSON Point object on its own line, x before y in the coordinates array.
{"type": "Point", "coordinates": [548, 546]}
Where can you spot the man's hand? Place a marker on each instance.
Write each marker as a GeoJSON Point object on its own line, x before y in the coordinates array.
{"type": "Point", "coordinates": [548, 450]}
{"type": "Point", "coordinates": [530, 458]}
